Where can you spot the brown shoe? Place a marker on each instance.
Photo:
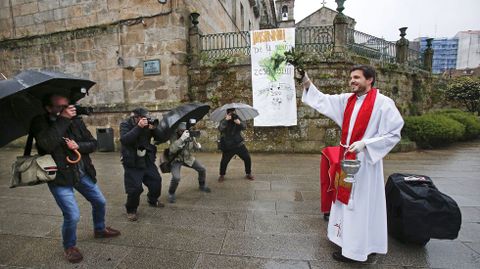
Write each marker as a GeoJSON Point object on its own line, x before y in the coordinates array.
{"type": "Point", "coordinates": [132, 216]}
{"type": "Point", "coordinates": [107, 233]}
{"type": "Point", "coordinates": [221, 178]}
{"type": "Point", "coordinates": [250, 177]}
{"type": "Point", "coordinates": [73, 255]}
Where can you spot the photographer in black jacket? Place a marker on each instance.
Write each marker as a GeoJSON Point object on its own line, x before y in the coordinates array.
{"type": "Point", "coordinates": [59, 133]}
{"type": "Point", "coordinates": [232, 143]}
{"type": "Point", "coordinates": [138, 159]}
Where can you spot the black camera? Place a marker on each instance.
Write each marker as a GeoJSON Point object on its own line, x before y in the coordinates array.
{"type": "Point", "coordinates": [191, 125]}
{"type": "Point", "coordinates": [235, 116]}
{"type": "Point", "coordinates": [152, 121]}
{"type": "Point", "coordinates": [83, 110]}
{"type": "Point", "coordinates": [194, 133]}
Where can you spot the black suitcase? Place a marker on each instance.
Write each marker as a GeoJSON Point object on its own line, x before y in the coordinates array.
{"type": "Point", "coordinates": [418, 211]}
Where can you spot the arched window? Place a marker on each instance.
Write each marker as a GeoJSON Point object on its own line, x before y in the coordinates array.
{"type": "Point", "coordinates": [284, 13]}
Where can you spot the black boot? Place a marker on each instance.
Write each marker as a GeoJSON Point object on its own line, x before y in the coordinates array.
{"type": "Point", "coordinates": [203, 187]}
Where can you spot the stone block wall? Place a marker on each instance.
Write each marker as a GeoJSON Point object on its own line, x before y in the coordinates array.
{"type": "Point", "coordinates": [21, 18]}
{"type": "Point", "coordinates": [221, 83]}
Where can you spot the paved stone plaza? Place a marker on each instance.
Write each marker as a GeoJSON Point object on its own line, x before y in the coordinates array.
{"type": "Point", "coordinates": [272, 222]}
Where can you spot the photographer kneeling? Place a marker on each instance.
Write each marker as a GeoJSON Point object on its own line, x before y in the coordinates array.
{"type": "Point", "coordinates": [138, 159]}
{"type": "Point", "coordinates": [182, 143]}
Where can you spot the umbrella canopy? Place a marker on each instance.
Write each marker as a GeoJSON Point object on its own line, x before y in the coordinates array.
{"type": "Point", "coordinates": [182, 113]}
{"type": "Point", "coordinates": [244, 112]}
{"type": "Point", "coordinates": [20, 98]}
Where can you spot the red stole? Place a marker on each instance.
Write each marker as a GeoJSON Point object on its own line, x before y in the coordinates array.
{"type": "Point", "coordinates": [333, 186]}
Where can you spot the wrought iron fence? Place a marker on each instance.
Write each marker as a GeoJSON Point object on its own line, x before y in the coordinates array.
{"type": "Point", "coordinates": [313, 39]}
{"type": "Point", "coordinates": [370, 46]}
{"type": "Point", "coordinates": [225, 44]}
{"type": "Point", "coordinates": [316, 39]}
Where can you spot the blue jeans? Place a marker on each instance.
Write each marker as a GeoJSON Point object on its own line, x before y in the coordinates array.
{"type": "Point", "coordinates": [65, 198]}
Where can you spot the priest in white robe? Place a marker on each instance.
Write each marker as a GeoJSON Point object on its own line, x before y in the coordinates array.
{"type": "Point", "coordinates": [359, 226]}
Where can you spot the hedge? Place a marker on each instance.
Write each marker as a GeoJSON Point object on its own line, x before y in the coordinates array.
{"type": "Point", "coordinates": [433, 130]}
{"type": "Point", "coordinates": [469, 120]}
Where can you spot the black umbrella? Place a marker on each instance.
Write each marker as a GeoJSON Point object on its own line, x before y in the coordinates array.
{"type": "Point", "coordinates": [182, 113]}
{"type": "Point", "coordinates": [20, 98]}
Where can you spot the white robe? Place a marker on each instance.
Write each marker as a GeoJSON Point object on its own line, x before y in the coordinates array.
{"type": "Point", "coordinates": [363, 230]}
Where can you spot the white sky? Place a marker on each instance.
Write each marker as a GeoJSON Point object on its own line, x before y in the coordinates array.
{"type": "Point", "coordinates": [382, 18]}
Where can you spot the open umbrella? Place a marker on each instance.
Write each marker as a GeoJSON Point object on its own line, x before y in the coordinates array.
{"type": "Point", "coordinates": [20, 98]}
{"type": "Point", "coordinates": [182, 113]}
{"type": "Point", "coordinates": [244, 112]}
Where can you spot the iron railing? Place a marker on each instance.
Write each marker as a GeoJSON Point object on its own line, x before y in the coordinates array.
{"type": "Point", "coordinates": [225, 44]}
{"type": "Point", "coordinates": [370, 46]}
{"type": "Point", "coordinates": [312, 39]}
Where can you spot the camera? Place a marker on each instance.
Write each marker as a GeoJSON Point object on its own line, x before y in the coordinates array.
{"type": "Point", "coordinates": [191, 125]}
{"type": "Point", "coordinates": [83, 110]}
{"type": "Point", "coordinates": [235, 116]}
{"type": "Point", "coordinates": [152, 121]}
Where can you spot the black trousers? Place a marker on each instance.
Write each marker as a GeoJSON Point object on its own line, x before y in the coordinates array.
{"type": "Point", "coordinates": [133, 179]}
{"type": "Point", "coordinates": [241, 152]}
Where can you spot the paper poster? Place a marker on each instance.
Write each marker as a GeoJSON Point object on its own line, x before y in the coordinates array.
{"type": "Point", "coordinates": [273, 85]}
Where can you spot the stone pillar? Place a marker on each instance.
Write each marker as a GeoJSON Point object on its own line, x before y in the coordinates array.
{"type": "Point", "coordinates": [194, 41]}
{"type": "Point", "coordinates": [401, 47]}
{"type": "Point", "coordinates": [340, 29]}
{"type": "Point", "coordinates": [428, 56]}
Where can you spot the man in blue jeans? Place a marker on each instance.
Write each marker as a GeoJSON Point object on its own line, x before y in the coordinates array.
{"type": "Point", "coordinates": [59, 133]}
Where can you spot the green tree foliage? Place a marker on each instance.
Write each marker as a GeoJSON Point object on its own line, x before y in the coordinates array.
{"type": "Point", "coordinates": [465, 90]}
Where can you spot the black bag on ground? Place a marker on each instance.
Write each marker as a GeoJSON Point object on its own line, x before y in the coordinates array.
{"type": "Point", "coordinates": [166, 162]}
{"type": "Point", "coordinates": [418, 211]}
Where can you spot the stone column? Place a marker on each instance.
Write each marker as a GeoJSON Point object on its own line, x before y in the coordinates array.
{"type": "Point", "coordinates": [402, 47]}
{"type": "Point", "coordinates": [194, 41]}
{"type": "Point", "coordinates": [428, 56]}
{"type": "Point", "coordinates": [340, 29]}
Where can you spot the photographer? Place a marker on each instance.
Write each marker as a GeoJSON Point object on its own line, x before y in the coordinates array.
{"type": "Point", "coordinates": [232, 143]}
{"type": "Point", "coordinates": [138, 159]}
{"type": "Point", "coordinates": [59, 133]}
{"type": "Point", "coordinates": [182, 144]}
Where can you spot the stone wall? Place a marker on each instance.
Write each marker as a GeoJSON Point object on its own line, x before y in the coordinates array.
{"type": "Point", "coordinates": [220, 16]}
{"type": "Point", "coordinates": [112, 55]}
{"type": "Point", "coordinates": [38, 17]}
{"type": "Point", "coordinates": [223, 83]}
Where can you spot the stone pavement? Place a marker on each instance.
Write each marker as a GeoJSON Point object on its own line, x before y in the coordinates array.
{"type": "Point", "coordinates": [272, 222]}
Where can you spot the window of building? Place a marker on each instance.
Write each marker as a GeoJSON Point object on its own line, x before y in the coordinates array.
{"type": "Point", "coordinates": [284, 13]}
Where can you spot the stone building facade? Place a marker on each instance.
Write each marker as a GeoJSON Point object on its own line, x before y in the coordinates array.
{"type": "Point", "coordinates": [108, 41]}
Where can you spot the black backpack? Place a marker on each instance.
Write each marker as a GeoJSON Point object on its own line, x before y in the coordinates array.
{"type": "Point", "coordinates": [418, 211]}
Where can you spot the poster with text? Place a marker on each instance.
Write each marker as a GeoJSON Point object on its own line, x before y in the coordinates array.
{"type": "Point", "coordinates": [273, 85]}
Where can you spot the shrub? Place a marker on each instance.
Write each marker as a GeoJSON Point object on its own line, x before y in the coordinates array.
{"type": "Point", "coordinates": [465, 90]}
{"type": "Point", "coordinates": [470, 121]}
{"type": "Point", "coordinates": [433, 130]}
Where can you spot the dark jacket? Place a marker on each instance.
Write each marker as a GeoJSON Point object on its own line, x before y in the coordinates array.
{"type": "Point", "coordinates": [49, 136]}
{"type": "Point", "coordinates": [231, 134]}
{"type": "Point", "coordinates": [133, 137]}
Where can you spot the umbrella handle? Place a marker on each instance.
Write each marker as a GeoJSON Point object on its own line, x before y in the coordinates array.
{"type": "Point", "coordinates": [79, 157]}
